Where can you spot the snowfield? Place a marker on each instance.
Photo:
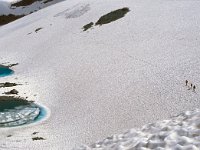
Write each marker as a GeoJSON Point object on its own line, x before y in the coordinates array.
{"type": "Point", "coordinates": [11, 10]}
{"type": "Point", "coordinates": [6, 7]}
{"type": "Point", "coordinates": [181, 132]}
{"type": "Point", "coordinates": [110, 78]}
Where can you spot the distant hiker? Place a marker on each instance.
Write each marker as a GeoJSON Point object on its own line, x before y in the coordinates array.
{"type": "Point", "coordinates": [186, 82]}
{"type": "Point", "coordinates": [194, 87]}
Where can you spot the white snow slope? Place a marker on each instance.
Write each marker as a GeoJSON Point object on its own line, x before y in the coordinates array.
{"type": "Point", "coordinates": [180, 133]}
{"type": "Point", "coordinates": [108, 79]}
{"type": "Point", "coordinates": [6, 8]}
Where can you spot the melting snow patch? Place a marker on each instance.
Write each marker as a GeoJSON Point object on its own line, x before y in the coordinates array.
{"type": "Point", "coordinates": [75, 12]}
{"type": "Point", "coordinates": [17, 111]}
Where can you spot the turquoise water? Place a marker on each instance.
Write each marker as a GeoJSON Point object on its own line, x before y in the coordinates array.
{"type": "Point", "coordinates": [10, 106]}
{"type": "Point", "coordinates": [42, 114]}
{"type": "Point", "coordinates": [5, 71]}
{"type": "Point", "coordinates": [29, 119]}
{"type": "Point", "coordinates": [19, 112]}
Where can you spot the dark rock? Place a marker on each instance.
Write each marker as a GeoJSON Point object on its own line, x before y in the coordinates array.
{"type": "Point", "coordinates": [112, 16]}
{"type": "Point", "coordinates": [38, 29]}
{"type": "Point", "coordinates": [4, 19]}
{"type": "Point", "coordinates": [7, 84]}
{"type": "Point", "coordinates": [88, 26]}
{"type": "Point", "coordinates": [14, 91]}
{"type": "Point", "coordinates": [11, 65]}
{"type": "Point", "coordinates": [34, 133]}
{"type": "Point", "coordinates": [37, 138]}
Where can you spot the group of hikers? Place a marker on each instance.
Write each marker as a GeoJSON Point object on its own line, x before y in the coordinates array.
{"type": "Point", "coordinates": [191, 86]}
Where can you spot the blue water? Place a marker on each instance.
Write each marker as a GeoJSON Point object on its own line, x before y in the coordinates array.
{"type": "Point", "coordinates": [5, 71]}
{"type": "Point", "coordinates": [42, 114]}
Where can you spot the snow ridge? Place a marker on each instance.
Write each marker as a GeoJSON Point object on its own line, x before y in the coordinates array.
{"type": "Point", "coordinates": [180, 132]}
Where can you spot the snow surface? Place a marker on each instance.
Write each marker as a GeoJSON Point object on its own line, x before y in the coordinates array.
{"type": "Point", "coordinates": [111, 78]}
{"type": "Point", "coordinates": [5, 7]}
{"type": "Point", "coordinates": [180, 133]}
